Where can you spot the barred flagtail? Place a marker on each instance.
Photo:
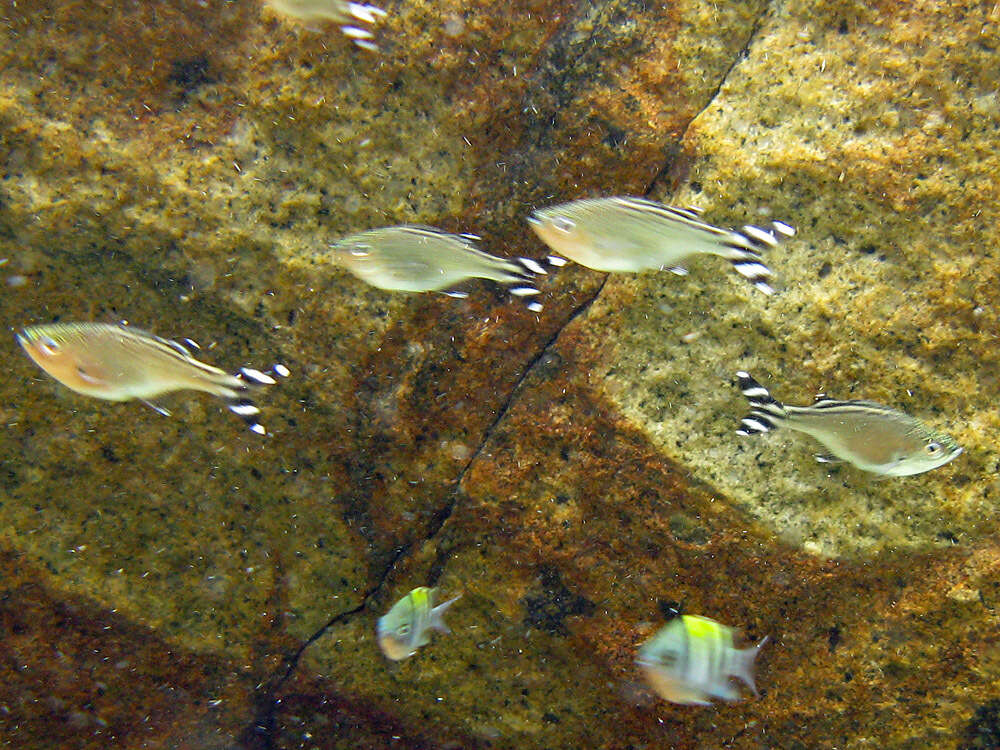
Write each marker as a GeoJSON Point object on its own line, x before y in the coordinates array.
{"type": "Point", "coordinates": [411, 258]}
{"type": "Point", "coordinates": [355, 19]}
{"type": "Point", "coordinates": [121, 363]}
{"type": "Point", "coordinates": [407, 625]}
{"type": "Point", "coordinates": [870, 436]}
{"type": "Point", "coordinates": [692, 659]}
{"type": "Point", "coordinates": [629, 235]}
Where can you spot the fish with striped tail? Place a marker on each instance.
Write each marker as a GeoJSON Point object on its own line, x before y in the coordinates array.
{"type": "Point", "coordinates": [356, 19]}
{"type": "Point", "coordinates": [121, 363]}
{"type": "Point", "coordinates": [870, 436]}
{"type": "Point", "coordinates": [412, 258]}
{"type": "Point", "coordinates": [629, 235]}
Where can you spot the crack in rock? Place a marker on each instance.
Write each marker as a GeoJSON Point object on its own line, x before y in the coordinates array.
{"type": "Point", "coordinates": [263, 727]}
{"type": "Point", "coordinates": [743, 53]}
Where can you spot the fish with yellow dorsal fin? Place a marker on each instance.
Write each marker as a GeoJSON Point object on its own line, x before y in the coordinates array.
{"type": "Point", "coordinates": [407, 625]}
{"type": "Point", "coordinates": [692, 659]}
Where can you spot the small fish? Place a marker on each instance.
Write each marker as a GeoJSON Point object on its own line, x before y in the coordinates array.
{"type": "Point", "coordinates": [406, 627]}
{"type": "Point", "coordinates": [119, 363]}
{"type": "Point", "coordinates": [422, 259]}
{"type": "Point", "coordinates": [692, 658]}
{"type": "Point", "coordinates": [628, 235]}
{"type": "Point", "coordinates": [347, 14]}
{"type": "Point", "coordinates": [871, 436]}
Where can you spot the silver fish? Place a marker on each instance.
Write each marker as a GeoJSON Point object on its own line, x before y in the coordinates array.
{"type": "Point", "coordinates": [870, 436]}
{"type": "Point", "coordinates": [407, 625]}
{"type": "Point", "coordinates": [422, 259]}
{"type": "Point", "coordinates": [628, 235]}
{"type": "Point", "coordinates": [121, 363]}
{"type": "Point", "coordinates": [347, 14]}
{"type": "Point", "coordinates": [692, 659]}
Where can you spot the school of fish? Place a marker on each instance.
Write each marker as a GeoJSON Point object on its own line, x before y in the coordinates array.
{"type": "Point", "coordinates": [692, 659]}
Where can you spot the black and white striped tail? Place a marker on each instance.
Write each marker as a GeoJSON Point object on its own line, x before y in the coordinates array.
{"type": "Point", "coordinates": [766, 412]}
{"type": "Point", "coordinates": [746, 246]}
{"type": "Point", "coordinates": [360, 33]}
{"type": "Point", "coordinates": [530, 268]}
{"type": "Point", "coordinates": [243, 406]}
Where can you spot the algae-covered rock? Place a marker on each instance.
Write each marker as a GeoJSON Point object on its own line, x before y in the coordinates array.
{"type": "Point", "coordinates": [574, 473]}
{"type": "Point", "coordinates": [853, 124]}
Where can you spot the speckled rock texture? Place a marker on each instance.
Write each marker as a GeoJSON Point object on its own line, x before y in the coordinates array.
{"type": "Point", "coordinates": [573, 474]}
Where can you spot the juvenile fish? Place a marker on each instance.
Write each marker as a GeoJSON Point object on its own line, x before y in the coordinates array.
{"type": "Point", "coordinates": [119, 363]}
{"type": "Point", "coordinates": [628, 235]}
{"type": "Point", "coordinates": [870, 436]}
{"type": "Point", "coordinates": [421, 259]}
{"type": "Point", "coordinates": [692, 659]}
{"type": "Point", "coordinates": [347, 14]}
{"type": "Point", "coordinates": [406, 627]}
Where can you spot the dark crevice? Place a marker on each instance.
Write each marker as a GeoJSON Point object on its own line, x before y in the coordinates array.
{"type": "Point", "coordinates": [741, 55]}
{"type": "Point", "coordinates": [264, 725]}
{"type": "Point", "coordinates": [505, 408]}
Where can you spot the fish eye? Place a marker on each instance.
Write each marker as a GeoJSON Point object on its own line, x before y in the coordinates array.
{"type": "Point", "coordinates": [49, 346]}
{"type": "Point", "coordinates": [562, 224]}
{"type": "Point", "coordinates": [403, 630]}
{"type": "Point", "coordinates": [933, 448]}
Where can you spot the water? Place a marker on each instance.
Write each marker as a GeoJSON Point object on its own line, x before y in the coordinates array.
{"type": "Point", "coordinates": [573, 474]}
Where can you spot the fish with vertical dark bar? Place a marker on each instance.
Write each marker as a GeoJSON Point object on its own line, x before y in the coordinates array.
{"type": "Point", "coordinates": [407, 625]}
{"type": "Point", "coordinates": [410, 258]}
{"type": "Point", "coordinates": [121, 363]}
{"type": "Point", "coordinates": [870, 436]}
{"type": "Point", "coordinates": [629, 235]}
{"type": "Point", "coordinates": [692, 659]}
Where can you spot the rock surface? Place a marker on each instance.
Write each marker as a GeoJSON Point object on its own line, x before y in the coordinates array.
{"type": "Point", "coordinates": [182, 583]}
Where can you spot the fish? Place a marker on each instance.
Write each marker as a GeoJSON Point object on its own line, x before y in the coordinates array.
{"type": "Point", "coordinates": [122, 363]}
{"type": "Point", "coordinates": [412, 258]}
{"type": "Point", "coordinates": [692, 659]}
{"type": "Point", "coordinates": [870, 436]}
{"type": "Point", "coordinates": [629, 235]}
{"type": "Point", "coordinates": [347, 14]}
{"type": "Point", "coordinates": [407, 625]}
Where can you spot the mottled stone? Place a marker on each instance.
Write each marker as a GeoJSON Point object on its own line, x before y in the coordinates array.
{"type": "Point", "coordinates": [854, 123]}
{"type": "Point", "coordinates": [564, 484]}
{"type": "Point", "coordinates": [573, 474]}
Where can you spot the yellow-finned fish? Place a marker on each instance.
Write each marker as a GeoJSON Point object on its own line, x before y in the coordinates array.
{"type": "Point", "coordinates": [692, 659]}
{"type": "Point", "coordinates": [870, 436]}
{"type": "Point", "coordinates": [348, 14]}
{"type": "Point", "coordinates": [121, 363]}
{"type": "Point", "coordinates": [412, 258]}
{"type": "Point", "coordinates": [406, 627]}
{"type": "Point", "coordinates": [628, 235]}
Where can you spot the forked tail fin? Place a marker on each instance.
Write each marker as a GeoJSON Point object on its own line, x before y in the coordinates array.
{"type": "Point", "coordinates": [743, 664]}
{"type": "Point", "coordinates": [242, 405]}
{"type": "Point", "coordinates": [766, 412]}
{"type": "Point", "coordinates": [437, 615]}
{"type": "Point", "coordinates": [745, 251]}
{"type": "Point", "coordinates": [530, 269]}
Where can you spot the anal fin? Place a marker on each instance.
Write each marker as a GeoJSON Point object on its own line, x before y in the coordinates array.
{"type": "Point", "coordinates": [156, 407]}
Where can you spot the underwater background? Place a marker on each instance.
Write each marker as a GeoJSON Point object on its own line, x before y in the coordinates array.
{"type": "Point", "coordinates": [572, 473]}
